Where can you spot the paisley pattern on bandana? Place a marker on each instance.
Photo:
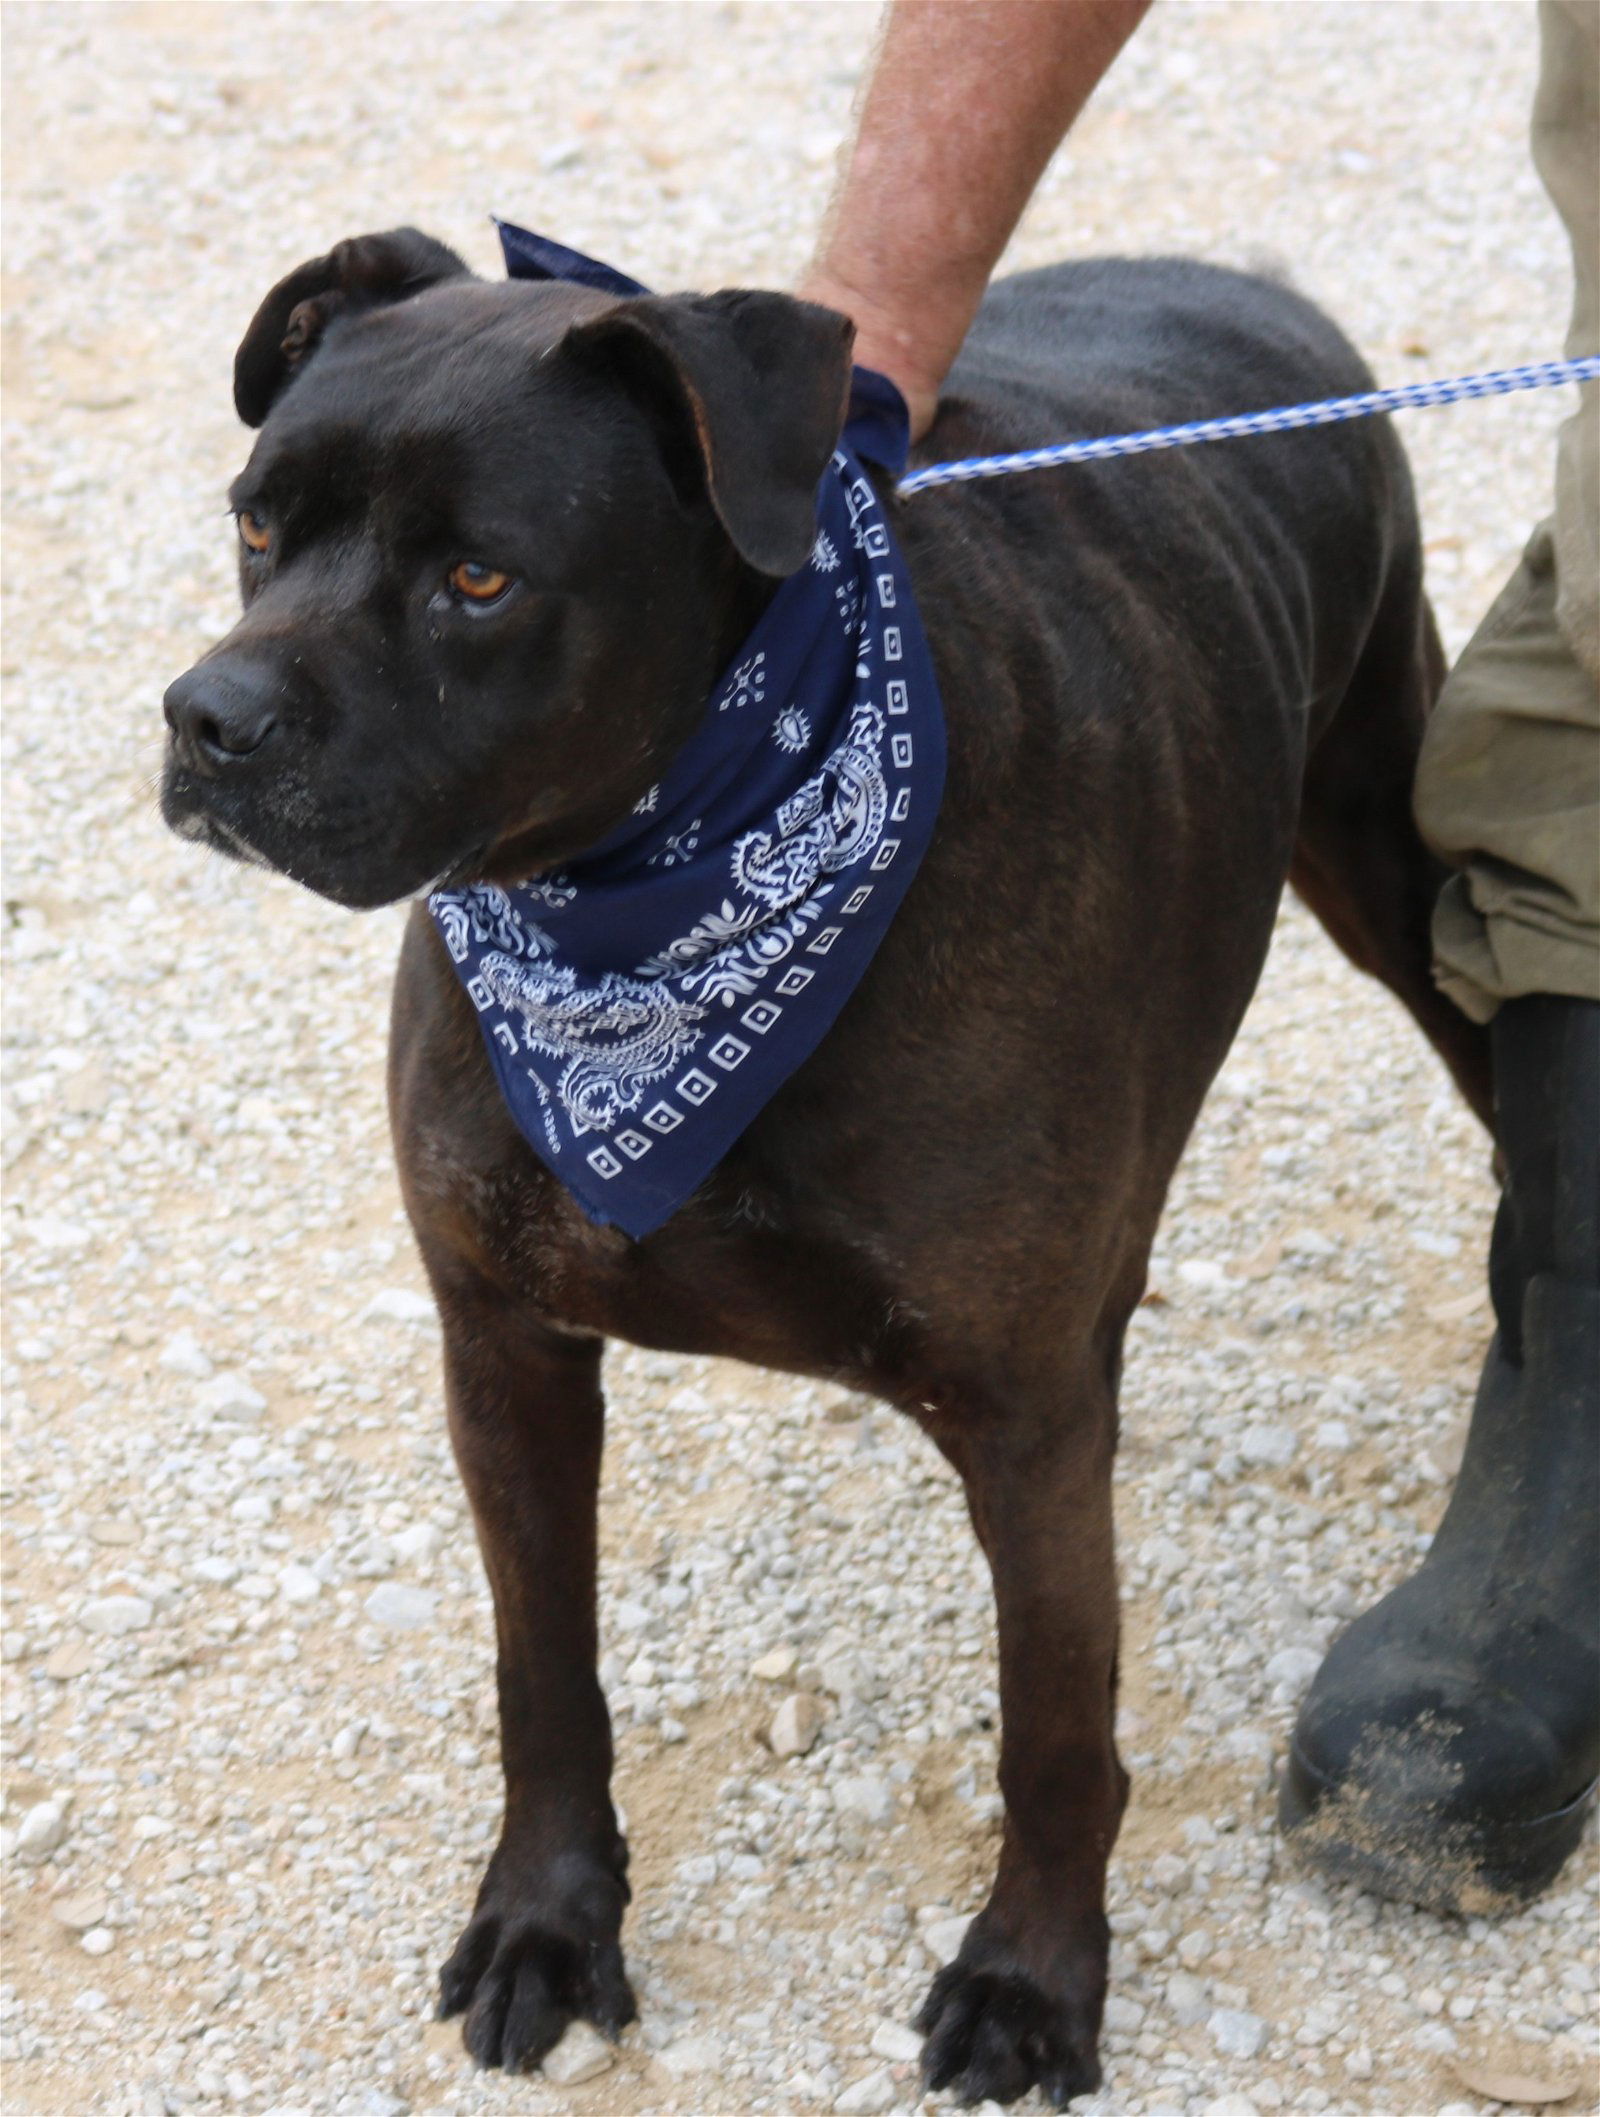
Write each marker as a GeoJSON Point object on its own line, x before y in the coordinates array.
{"type": "Point", "coordinates": [642, 1006]}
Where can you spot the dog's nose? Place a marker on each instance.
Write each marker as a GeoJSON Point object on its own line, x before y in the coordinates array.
{"type": "Point", "coordinates": [219, 717]}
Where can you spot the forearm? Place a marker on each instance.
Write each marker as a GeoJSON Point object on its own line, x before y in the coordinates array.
{"type": "Point", "coordinates": [968, 101]}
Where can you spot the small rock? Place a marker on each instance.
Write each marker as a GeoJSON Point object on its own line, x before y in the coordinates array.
{"type": "Point", "coordinates": [53, 1234]}
{"type": "Point", "coordinates": [1194, 1948]}
{"type": "Point", "coordinates": [231, 1397]}
{"type": "Point", "coordinates": [1125, 2016]}
{"type": "Point", "coordinates": [894, 2041]}
{"type": "Point", "coordinates": [80, 1911]}
{"type": "Point", "coordinates": [1274, 1446]}
{"type": "Point", "coordinates": [109, 1616]}
{"type": "Point", "coordinates": [183, 1354]}
{"type": "Point", "coordinates": [1495, 2085]}
{"type": "Point", "coordinates": [65, 1662]}
{"type": "Point", "coordinates": [582, 2054]}
{"type": "Point", "coordinates": [400, 1609]}
{"type": "Point", "coordinates": [1309, 1242]}
{"type": "Point", "coordinates": [844, 1674]}
{"type": "Point", "coordinates": [42, 1831]}
{"type": "Point", "coordinates": [870, 1798]}
{"type": "Point", "coordinates": [1169, 1874]}
{"type": "Point", "coordinates": [775, 1667]}
{"type": "Point", "coordinates": [114, 1532]}
{"type": "Point", "coordinates": [399, 1304]}
{"type": "Point", "coordinates": [418, 1541]}
{"type": "Point", "coordinates": [1333, 1437]}
{"type": "Point", "coordinates": [873, 2092]}
{"type": "Point", "coordinates": [1235, 2033]}
{"type": "Point", "coordinates": [1202, 1272]}
{"type": "Point", "coordinates": [943, 1937]}
{"type": "Point", "coordinates": [347, 1741]}
{"type": "Point", "coordinates": [1188, 2001]}
{"type": "Point", "coordinates": [690, 2054]}
{"type": "Point", "coordinates": [1232, 2104]}
{"type": "Point", "coordinates": [795, 1725]}
{"type": "Point", "coordinates": [1293, 1667]}
{"type": "Point", "coordinates": [298, 1584]}
{"type": "Point", "coordinates": [99, 1940]}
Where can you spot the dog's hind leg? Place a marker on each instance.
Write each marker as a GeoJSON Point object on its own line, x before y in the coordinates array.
{"type": "Point", "coordinates": [1359, 860]}
{"type": "Point", "coordinates": [1022, 2001]}
{"type": "Point", "coordinates": [542, 1945]}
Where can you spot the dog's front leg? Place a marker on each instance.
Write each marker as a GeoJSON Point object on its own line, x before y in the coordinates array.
{"type": "Point", "coordinates": [1022, 2001]}
{"type": "Point", "coordinates": [543, 1944]}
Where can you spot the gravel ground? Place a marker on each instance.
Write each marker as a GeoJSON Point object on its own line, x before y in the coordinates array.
{"type": "Point", "coordinates": [247, 1641]}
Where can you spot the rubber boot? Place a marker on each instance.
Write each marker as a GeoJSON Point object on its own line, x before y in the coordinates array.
{"type": "Point", "coordinates": [1447, 1751]}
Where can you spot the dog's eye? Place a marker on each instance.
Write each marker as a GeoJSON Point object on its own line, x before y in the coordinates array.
{"type": "Point", "coordinates": [477, 582]}
{"type": "Point", "coordinates": [253, 532]}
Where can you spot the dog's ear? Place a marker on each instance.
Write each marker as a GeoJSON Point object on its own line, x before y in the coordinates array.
{"type": "Point", "coordinates": [363, 271]}
{"type": "Point", "coordinates": [751, 390]}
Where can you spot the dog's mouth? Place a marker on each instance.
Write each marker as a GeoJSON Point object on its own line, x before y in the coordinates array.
{"type": "Point", "coordinates": [359, 877]}
{"type": "Point", "coordinates": [200, 827]}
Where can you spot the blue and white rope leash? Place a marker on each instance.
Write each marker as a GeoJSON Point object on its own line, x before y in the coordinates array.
{"type": "Point", "coordinates": [1492, 382]}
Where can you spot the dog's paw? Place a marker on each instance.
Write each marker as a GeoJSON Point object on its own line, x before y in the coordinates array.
{"type": "Point", "coordinates": [993, 2031]}
{"type": "Point", "coordinates": [533, 1959]}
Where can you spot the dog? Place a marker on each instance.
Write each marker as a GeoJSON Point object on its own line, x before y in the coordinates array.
{"type": "Point", "coordinates": [1168, 687]}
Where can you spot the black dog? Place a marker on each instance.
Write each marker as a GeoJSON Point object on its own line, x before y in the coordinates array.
{"type": "Point", "coordinates": [1169, 685]}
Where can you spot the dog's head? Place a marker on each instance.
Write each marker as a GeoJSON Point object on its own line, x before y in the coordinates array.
{"type": "Point", "coordinates": [496, 540]}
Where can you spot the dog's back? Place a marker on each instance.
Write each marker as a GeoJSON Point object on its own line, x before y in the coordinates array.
{"type": "Point", "coordinates": [1276, 548]}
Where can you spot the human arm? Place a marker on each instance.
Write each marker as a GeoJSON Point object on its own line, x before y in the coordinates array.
{"type": "Point", "coordinates": [967, 102]}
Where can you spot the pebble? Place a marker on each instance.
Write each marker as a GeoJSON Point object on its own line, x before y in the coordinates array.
{"type": "Point", "coordinates": [111, 1616]}
{"type": "Point", "coordinates": [417, 1542]}
{"type": "Point", "coordinates": [400, 1608]}
{"type": "Point", "coordinates": [1293, 1667]}
{"type": "Point", "coordinates": [230, 1397]}
{"type": "Point", "coordinates": [62, 1663]}
{"type": "Point", "coordinates": [866, 1796]}
{"type": "Point", "coordinates": [894, 2041]}
{"type": "Point", "coordinates": [80, 1911]}
{"type": "Point", "coordinates": [1236, 2033]}
{"type": "Point", "coordinates": [99, 1940]}
{"type": "Point", "coordinates": [795, 1725]}
{"type": "Point", "coordinates": [43, 1830]}
{"type": "Point", "coordinates": [1188, 2001]}
{"type": "Point", "coordinates": [183, 1355]}
{"type": "Point", "coordinates": [1274, 1446]}
{"type": "Point", "coordinates": [690, 2054]}
{"type": "Point", "coordinates": [399, 1304]}
{"type": "Point", "coordinates": [776, 1666]}
{"type": "Point", "coordinates": [943, 1937]}
{"type": "Point", "coordinates": [114, 1533]}
{"type": "Point", "coordinates": [298, 1584]}
{"type": "Point", "coordinates": [582, 2054]}
{"type": "Point", "coordinates": [873, 2092]}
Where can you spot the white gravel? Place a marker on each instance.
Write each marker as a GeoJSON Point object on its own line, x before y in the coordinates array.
{"type": "Point", "coordinates": [246, 1637]}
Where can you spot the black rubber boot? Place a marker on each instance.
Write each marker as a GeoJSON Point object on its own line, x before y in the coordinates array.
{"type": "Point", "coordinates": [1447, 1751]}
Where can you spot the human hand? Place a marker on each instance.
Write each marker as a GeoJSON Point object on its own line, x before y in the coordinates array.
{"type": "Point", "coordinates": [880, 344]}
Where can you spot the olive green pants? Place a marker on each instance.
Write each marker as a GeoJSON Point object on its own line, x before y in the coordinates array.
{"type": "Point", "coordinates": [1508, 785]}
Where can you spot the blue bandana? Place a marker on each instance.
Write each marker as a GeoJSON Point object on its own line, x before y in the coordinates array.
{"type": "Point", "coordinates": [644, 1004]}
